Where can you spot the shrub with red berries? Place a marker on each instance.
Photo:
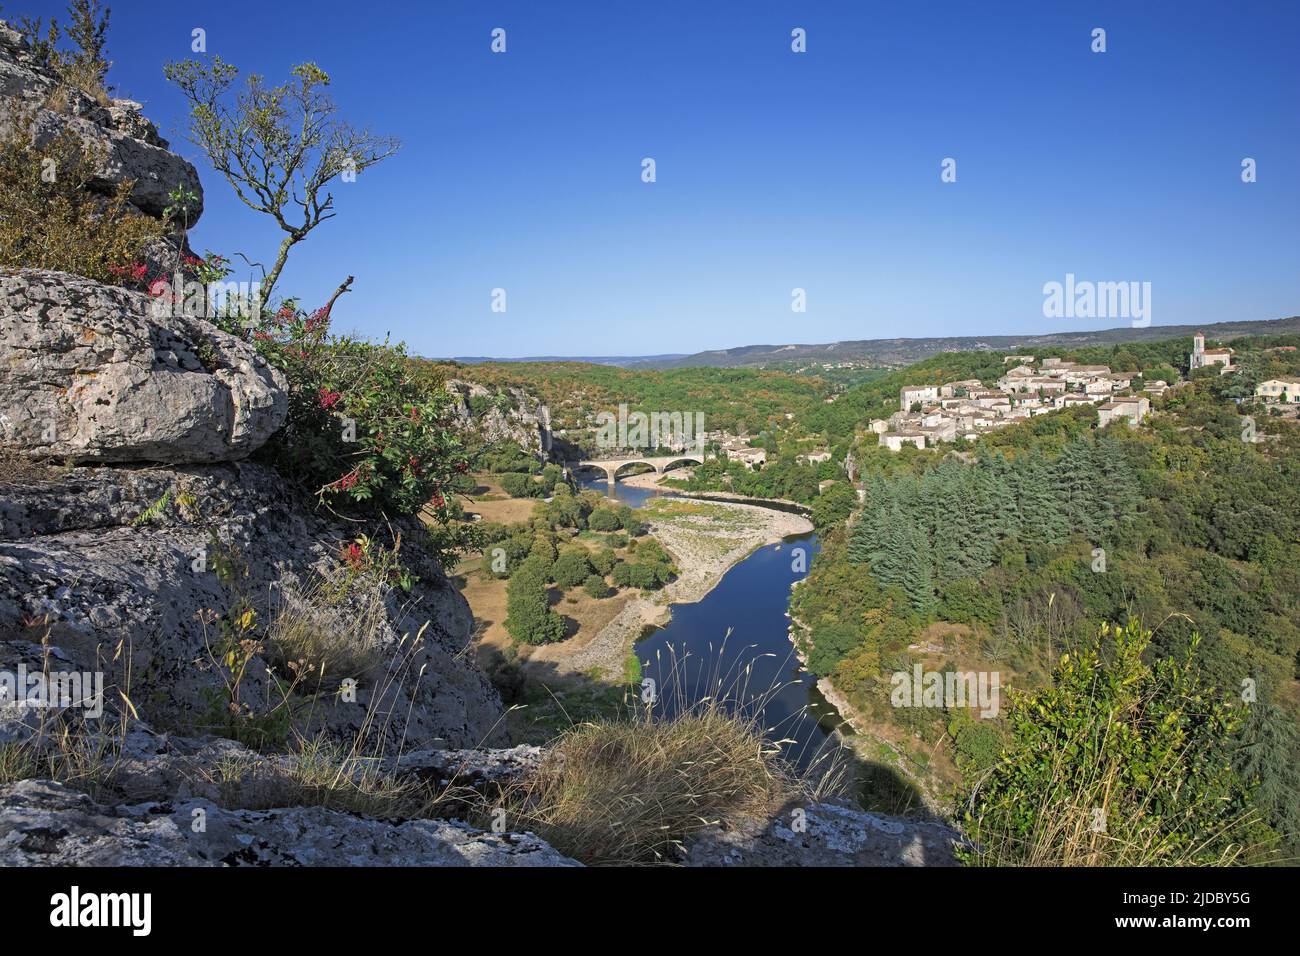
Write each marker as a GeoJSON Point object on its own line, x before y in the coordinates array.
{"type": "Point", "coordinates": [369, 428]}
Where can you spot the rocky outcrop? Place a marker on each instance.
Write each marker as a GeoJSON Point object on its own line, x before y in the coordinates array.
{"type": "Point", "coordinates": [43, 823]}
{"type": "Point", "coordinates": [825, 834]}
{"type": "Point", "coordinates": [89, 373]}
{"type": "Point", "coordinates": [131, 571]}
{"type": "Point", "coordinates": [510, 414]}
{"type": "Point", "coordinates": [127, 144]}
{"type": "Point", "coordinates": [168, 800]}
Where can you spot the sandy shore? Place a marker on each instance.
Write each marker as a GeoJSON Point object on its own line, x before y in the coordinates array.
{"type": "Point", "coordinates": [706, 539]}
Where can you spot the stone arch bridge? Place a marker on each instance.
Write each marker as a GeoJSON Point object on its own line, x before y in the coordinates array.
{"type": "Point", "coordinates": [612, 466]}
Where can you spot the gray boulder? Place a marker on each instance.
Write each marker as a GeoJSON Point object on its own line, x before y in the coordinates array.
{"type": "Point", "coordinates": [89, 373]}
{"type": "Point", "coordinates": [43, 823]}
{"type": "Point", "coordinates": [825, 834]}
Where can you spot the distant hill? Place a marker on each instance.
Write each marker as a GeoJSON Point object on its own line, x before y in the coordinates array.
{"type": "Point", "coordinates": [904, 351]}
{"type": "Point", "coordinates": [620, 361]}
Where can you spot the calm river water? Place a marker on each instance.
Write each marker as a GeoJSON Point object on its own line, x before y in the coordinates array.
{"type": "Point", "coordinates": [692, 654]}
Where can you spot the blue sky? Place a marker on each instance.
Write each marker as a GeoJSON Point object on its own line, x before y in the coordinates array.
{"type": "Point", "coordinates": [775, 170]}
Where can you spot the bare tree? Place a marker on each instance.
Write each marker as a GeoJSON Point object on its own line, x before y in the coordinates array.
{"type": "Point", "coordinates": [278, 146]}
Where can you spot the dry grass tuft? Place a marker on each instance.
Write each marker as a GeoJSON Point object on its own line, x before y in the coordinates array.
{"type": "Point", "coordinates": [322, 773]}
{"type": "Point", "coordinates": [17, 470]}
{"type": "Point", "coordinates": [321, 639]}
{"type": "Point", "coordinates": [632, 791]}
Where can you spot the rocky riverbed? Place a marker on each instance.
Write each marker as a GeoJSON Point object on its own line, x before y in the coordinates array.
{"type": "Point", "coordinates": [706, 539]}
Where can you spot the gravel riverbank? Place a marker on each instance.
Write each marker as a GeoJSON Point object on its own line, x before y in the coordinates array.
{"type": "Point", "coordinates": [706, 539]}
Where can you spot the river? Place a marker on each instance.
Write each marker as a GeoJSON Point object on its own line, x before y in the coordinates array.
{"type": "Point", "coordinates": [692, 655]}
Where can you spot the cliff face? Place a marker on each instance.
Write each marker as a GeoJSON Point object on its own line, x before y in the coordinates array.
{"type": "Point", "coordinates": [94, 559]}
{"type": "Point", "coordinates": [127, 143]}
{"type": "Point", "coordinates": [513, 415]}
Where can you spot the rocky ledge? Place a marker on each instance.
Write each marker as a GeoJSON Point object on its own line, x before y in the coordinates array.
{"type": "Point", "coordinates": [116, 130]}
{"type": "Point", "coordinates": [90, 373]}
{"type": "Point", "coordinates": [43, 823]}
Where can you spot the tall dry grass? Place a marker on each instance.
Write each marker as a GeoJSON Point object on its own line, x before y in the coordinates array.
{"type": "Point", "coordinates": [1075, 824]}
{"type": "Point", "coordinates": [634, 790]}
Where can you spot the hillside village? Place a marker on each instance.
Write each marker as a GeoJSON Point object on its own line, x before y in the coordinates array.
{"type": "Point", "coordinates": [930, 414]}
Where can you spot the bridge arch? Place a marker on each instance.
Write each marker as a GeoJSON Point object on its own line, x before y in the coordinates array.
{"type": "Point", "coordinates": [618, 467]}
{"type": "Point", "coordinates": [674, 462]}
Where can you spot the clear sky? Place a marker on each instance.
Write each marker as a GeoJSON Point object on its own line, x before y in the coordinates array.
{"type": "Point", "coordinates": [775, 170]}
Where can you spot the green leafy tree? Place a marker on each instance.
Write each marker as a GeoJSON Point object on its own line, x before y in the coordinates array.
{"type": "Point", "coordinates": [596, 587]}
{"type": "Point", "coordinates": [604, 560]}
{"type": "Point", "coordinates": [529, 617]}
{"type": "Point", "coordinates": [833, 506]}
{"type": "Point", "coordinates": [571, 568]}
{"type": "Point", "coordinates": [518, 485]}
{"type": "Point", "coordinates": [831, 643]}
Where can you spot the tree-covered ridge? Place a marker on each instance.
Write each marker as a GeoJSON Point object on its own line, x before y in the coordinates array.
{"type": "Point", "coordinates": [733, 400]}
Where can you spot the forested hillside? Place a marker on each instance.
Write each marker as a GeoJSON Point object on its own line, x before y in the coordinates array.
{"type": "Point", "coordinates": [1008, 557]}
{"type": "Point", "coordinates": [734, 400]}
{"type": "Point", "coordinates": [898, 351]}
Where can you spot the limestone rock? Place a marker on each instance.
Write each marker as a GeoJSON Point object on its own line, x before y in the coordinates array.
{"type": "Point", "coordinates": [43, 823]}
{"type": "Point", "coordinates": [826, 834]}
{"type": "Point", "coordinates": [88, 373]}
{"type": "Point", "coordinates": [128, 144]}
{"type": "Point", "coordinates": [513, 415]}
{"type": "Point", "coordinates": [136, 598]}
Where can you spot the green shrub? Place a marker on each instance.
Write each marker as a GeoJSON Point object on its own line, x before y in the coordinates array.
{"type": "Point", "coordinates": [520, 486]}
{"type": "Point", "coordinates": [596, 587]}
{"type": "Point", "coordinates": [603, 561]}
{"type": "Point", "coordinates": [529, 618]}
{"type": "Point", "coordinates": [1119, 762]}
{"type": "Point", "coordinates": [830, 645]}
{"type": "Point", "coordinates": [964, 602]}
{"type": "Point", "coordinates": [571, 568]}
{"type": "Point", "coordinates": [552, 476]}
{"type": "Point", "coordinates": [645, 575]}
{"type": "Point", "coordinates": [604, 519]}
{"type": "Point", "coordinates": [369, 430]}
{"type": "Point", "coordinates": [833, 505]}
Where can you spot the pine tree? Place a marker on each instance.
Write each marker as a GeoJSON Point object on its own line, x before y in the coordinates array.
{"type": "Point", "coordinates": [87, 68]}
{"type": "Point", "coordinates": [915, 561]}
{"type": "Point", "coordinates": [888, 552]}
{"type": "Point", "coordinates": [1077, 481]}
{"type": "Point", "coordinates": [1042, 516]}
